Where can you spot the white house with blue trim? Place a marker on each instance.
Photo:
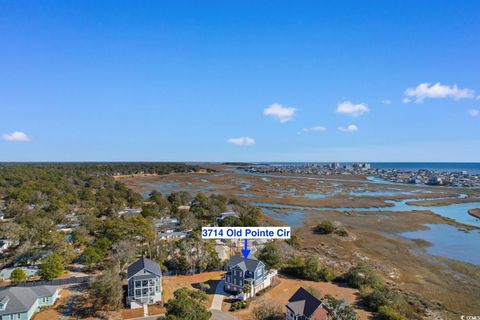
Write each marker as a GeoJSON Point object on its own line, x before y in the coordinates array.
{"type": "Point", "coordinates": [21, 303]}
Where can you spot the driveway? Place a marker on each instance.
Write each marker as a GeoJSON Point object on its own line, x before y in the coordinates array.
{"type": "Point", "coordinates": [220, 315]}
{"type": "Point", "coordinates": [219, 295]}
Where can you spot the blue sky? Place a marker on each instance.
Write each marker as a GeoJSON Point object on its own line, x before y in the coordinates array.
{"type": "Point", "coordinates": [239, 81]}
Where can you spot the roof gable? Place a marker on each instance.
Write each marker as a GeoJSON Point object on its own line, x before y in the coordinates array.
{"type": "Point", "coordinates": [21, 299]}
{"type": "Point", "coordinates": [303, 303]}
{"type": "Point", "coordinates": [144, 263]}
{"type": "Point", "coordinates": [249, 264]}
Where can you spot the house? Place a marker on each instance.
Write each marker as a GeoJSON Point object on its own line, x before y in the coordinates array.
{"type": "Point", "coordinates": [172, 235]}
{"type": "Point", "coordinates": [169, 229]}
{"type": "Point", "coordinates": [241, 271]}
{"type": "Point", "coordinates": [304, 306]}
{"type": "Point", "coordinates": [4, 245]}
{"type": "Point", "coordinates": [20, 303]}
{"type": "Point", "coordinates": [30, 271]}
{"type": "Point", "coordinates": [130, 212]}
{"type": "Point", "coordinates": [144, 283]}
{"type": "Point", "coordinates": [166, 224]}
{"type": "Point", "coordinates": [226, 214]}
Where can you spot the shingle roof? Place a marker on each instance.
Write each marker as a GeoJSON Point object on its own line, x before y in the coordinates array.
{"type": "Point", "coordinates": [144, 263]}
{"type": "Point", "coordinates": [21, 299]}
{"type": "Point", "coordinates": [250, 264]}
{"type": "Point", "coordinates": [303, 303]}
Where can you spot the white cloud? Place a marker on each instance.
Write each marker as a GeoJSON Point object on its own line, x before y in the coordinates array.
{"type": "Point", "coordinates": [314, 129]}
{"type": "Point", "coordinates": [437, 91]}
{"type": "Point", "coordinates": [406, 100]}
{"type": "Point", "coordinates": [283, 114]}
{"type": "Point", "coordinates": [242, 141]}
{"type": "Point", "coordinates": [474, 112]}
{"type": "Point", "coordinates": [350, 128]}
{"type": "Point", "coordinates": [354, 110]}
{"type": "Point", "coordinates": [387, 101]}
{"type": "Point", "coordinates": [16, 136]}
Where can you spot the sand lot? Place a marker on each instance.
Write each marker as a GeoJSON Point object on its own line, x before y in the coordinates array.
{"type": "Point", "coordinates": [172, 283]}
{"type": "Point", "coordinates": [279, 295]}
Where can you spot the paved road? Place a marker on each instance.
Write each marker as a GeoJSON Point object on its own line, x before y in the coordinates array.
{"type": "Point", "coordinates": [220, 294]}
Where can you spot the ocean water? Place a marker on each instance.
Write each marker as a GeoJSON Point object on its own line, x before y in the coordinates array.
{"type": "Point", "coordinates": [470, 167]}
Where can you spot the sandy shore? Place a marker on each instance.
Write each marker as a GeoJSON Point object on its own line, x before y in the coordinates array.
{"type": "Point", "coordinates": [474, 213]}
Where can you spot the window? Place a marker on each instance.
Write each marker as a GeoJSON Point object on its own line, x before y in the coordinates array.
{"type": "Point", "coordinates": [138, 292]}
{"type": "Point", "coordinates": [138, 283]}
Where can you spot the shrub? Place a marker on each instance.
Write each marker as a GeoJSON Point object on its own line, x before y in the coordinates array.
{"type": "Point", "coordinates": [341, 232]}
{"type": "Point", "coordinates": [381, 296]}
{"type": "Point", "coordinates": [387, 313]}
{"type": "Point", "coordinates": [267, 312]}
{"type": "Point", "coordinates": [325, 227]}
{"type": "Point", "coordinates": [237, 305]}
{"type": "Point", "coordinates": [362, 275]}
{"type": "Point", "coordinates": [327, 274]}
{"type": "Point", "coordinates": [18, 276]}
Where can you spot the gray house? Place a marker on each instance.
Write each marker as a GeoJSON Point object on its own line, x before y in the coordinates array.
{"type": "Point", "coordinates": [20, 303]}
{"type": "Point", "coordinates": [304, 306]}
{"type": "Point", "coordinates": [144, 283]}
{"type": "Point", "coordinates": [240, 271]}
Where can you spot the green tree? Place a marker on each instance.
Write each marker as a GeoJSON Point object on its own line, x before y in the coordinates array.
{"type": "Point", "coordinates": [52, 267]}
{"type": "Point", "coordinates": [201, 207]}
{"type": "Point", "coordinates": [362, 275]}
{"type": "Point", "coordinates": [311, 268]}
{"type": "Point", "coordinates": [271, 255]}
{"type": "Point", "coordinates": [106, 290]}
{"type": "Point", "coordinates": [92, 256]}
{"type": "Point", "coordinates": [18, 276]}
{"type": "Point", "coordinates": [374, 298]}
{"type": "Point", "coordinates": [339, 309]}
{"type": "Point", "coordinates": [327, 274]}
{"type": "Point", "coordinates": [187, 304]}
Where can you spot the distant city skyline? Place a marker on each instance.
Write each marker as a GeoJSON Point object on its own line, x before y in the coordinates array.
{"type": "Point", "coordinates": [266, 81]}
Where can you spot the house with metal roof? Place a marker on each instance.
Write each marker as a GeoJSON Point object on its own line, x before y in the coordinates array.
{"type": "Point", "coordinates": [144, 283]}
{"type": "Point", "coordinates": [304, 306]}
{"type": "Point", "coordinates": [251, 271]}
{"type": "Point", "coordinates": [20, 303]}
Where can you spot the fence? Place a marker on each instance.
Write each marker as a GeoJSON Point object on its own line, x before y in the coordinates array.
{"type": "Point", "coordinates": [56, 282]}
